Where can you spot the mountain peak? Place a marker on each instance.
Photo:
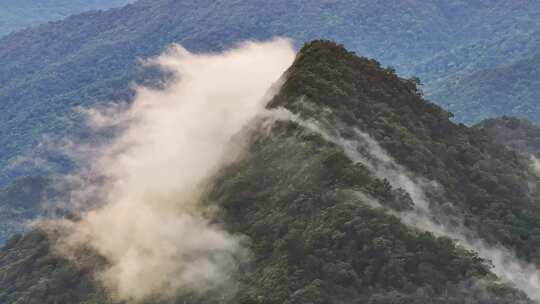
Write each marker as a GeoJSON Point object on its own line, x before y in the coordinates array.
{"type": "Point", "coordinates": [359, 90]}
{"type": "Point", "coordinates": [324, 45]}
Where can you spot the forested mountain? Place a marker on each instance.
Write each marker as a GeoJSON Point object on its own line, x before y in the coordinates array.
{"type": "Point", "coordinates": [93, 58]}
{"type": "Point", "coordinates": [18, 14]}
{"type": "Point", "coordinates": [326, 226]}
{"type": "Point", "coordinates": [325, 209]}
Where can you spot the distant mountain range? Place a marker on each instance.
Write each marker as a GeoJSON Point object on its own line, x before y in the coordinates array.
{"type": "Point", "coordinates": [19, 14]}
{"type": "Point", "coordinates": [509, 89]}
{"type": "Point", "coordinates": [491, 77]}
{"type": "Point", "coordinates": [464, 52]}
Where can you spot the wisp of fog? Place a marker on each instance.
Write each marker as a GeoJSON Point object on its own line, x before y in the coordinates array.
{"type": "Point", "coordinates": [151, 227]}
{"type": "Point", "coordinates": [506, 265]}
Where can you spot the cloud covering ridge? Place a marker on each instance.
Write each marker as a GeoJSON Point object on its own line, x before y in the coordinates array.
{"type": "Point", "coordinates": [154, 231]}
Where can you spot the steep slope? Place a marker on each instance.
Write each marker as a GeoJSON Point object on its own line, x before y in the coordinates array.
{"type": "Point", "coordinates": [327, 228]}
{"type": "Point", "coordinates": [329, 243]}
{"type": "Point", "coordinates": [18, 14]}
{"type": "Point", "coordinates": [92, 58]}
{"type": "Point", "coordinates": [485, 181]}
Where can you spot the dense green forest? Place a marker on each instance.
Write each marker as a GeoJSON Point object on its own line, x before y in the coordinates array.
{"type": "Point", "coordinates": [325, 229]}
{"type": "Point", "coordinates": [19, 14]}
{"type": "Point", "coordinates": [47, 71]}
{"type": "Point", "coordinates": [485, 180]}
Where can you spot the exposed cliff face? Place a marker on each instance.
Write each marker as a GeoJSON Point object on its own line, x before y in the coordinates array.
{"type": "Point", "coordinates": [346, 197]}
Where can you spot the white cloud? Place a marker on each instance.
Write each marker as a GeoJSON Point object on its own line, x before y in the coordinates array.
{"type": "Point", "coordinates": [152, 227]}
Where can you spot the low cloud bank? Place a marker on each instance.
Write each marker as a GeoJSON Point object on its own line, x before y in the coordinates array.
{"type": "Point", "coordinates": [151, 226]}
